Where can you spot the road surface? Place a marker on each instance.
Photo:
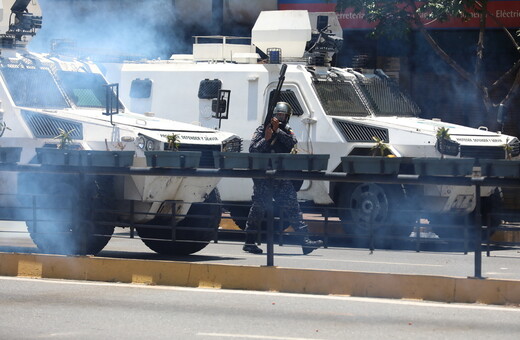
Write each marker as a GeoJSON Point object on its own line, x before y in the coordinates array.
{"type": "Point", "coordinates": [43, 309]}
{"type": "Point", "coordinates": [502, 264]}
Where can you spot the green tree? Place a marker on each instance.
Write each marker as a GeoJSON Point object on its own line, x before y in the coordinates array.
{"type": "Point", "coordinates": [396, 18]}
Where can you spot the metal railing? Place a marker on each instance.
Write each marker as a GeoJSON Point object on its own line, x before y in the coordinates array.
{"type": "Point", "coordinates": [270, 234]}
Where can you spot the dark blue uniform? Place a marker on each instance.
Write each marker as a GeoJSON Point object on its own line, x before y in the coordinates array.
{"type": "Point", "coordinates": [282, 141]}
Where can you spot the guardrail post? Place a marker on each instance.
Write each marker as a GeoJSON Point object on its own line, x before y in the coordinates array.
{"type": "Point", "coordinates": [34, 213]}
{"type": "Point", "coordinates": [173, 222]}
{"type": "Point", "coordinates": [132, 219]}
{"type": "Point", "coordinates": [326, 229]}
{"type": "Point", "coordinates": [417, 229]}
{"type": "Point", "coordinates": [478, 236]}
{"type": "Point", "coordinates": [270, 218]}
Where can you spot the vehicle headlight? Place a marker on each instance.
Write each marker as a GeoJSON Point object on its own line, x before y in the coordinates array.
{"type": "Point", "coordinates": [232, 144]}
{"type": "Point", "coordinates": [150, 145]}
{"type": "Point", "coordinates": [145, 143]}
{"type": "Point", "coordinates": [140, 141]}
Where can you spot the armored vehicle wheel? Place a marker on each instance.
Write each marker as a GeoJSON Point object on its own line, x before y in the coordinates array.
{"type": "Point", "coordinates": [372, 209]}
{"type": "Point", "coordinates": [200, 215]}
{"type": "Point", "coordinates": [67, 221]}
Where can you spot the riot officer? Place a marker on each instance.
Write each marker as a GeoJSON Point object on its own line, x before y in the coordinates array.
{"type": "Point", "coordinates": [279, 138]}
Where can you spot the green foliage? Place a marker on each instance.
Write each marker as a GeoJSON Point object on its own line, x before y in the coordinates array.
{"type": "Point", "coordinates": [395, 18]}
{"type": "Point", "coordinates": [173, 142]}
{"type": "Point", "coordinates": [508, 149]}
{"type": "Point", "coordinates": [444, 10]}
{"type": "Point", "coordinates": [64, 138]}
{"type": "Point", "coordinates": [380, 147]}
{"type": "Point", "coordinates": [443, 133]}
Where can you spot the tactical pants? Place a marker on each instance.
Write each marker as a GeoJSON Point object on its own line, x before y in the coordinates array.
{"type": "Point", "coordinates": [284, 197]}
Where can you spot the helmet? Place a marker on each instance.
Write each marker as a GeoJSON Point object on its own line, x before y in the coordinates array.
{"type": "Point", "coordinates": [282, 111]}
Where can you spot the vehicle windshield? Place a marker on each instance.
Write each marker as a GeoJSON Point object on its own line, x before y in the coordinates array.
{"type": "Point", "coordinates": [37, 88]}
{"type": "Point", "coordinates": [84, 89]}
{"type": "Point", "coordinates": [386, 98]}
{"type": "Point", "coordinates": [381, 96]}
{"type": "Point", "coordinates": [340, 99]}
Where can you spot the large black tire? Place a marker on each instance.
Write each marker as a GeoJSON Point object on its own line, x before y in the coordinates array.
{"type": "Point", "coordinates": [68, 221]}
{"type": "Point", "coordinates": [373, 212]}
{"type": "Point", "coordinates": [200, 216]}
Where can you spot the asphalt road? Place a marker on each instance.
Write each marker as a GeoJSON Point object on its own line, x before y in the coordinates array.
{"type": "Point", "coordinates": [44, 309]}
{"type": "Point", "coordinates": [502, 264]}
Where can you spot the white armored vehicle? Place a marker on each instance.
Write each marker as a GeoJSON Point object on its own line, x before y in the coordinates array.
{"type": "Point", "coordinates": [43, 96]}
{"type": "Point", "coordinates": [337, 111]}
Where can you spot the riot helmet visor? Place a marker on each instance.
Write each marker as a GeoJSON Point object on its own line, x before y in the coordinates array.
{"type": "Point", "coordinates": [282, 112]}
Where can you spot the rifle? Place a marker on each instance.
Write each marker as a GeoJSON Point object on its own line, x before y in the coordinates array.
{"type": "Point", "coordinates": [275, 97]}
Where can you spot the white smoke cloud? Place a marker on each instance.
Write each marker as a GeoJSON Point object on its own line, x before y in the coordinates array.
{"type": "Point", "coordinates": [144, 28]}
{"type": "Point", "coordinates": [147, 28]}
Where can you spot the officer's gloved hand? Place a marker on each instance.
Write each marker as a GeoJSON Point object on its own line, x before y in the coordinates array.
{"type": "Point", "coordinates": [268, 133]}
{"type": "Point", "coordinates": [275, 123]}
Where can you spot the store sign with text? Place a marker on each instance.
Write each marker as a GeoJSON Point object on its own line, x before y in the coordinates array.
{"type": "Point", "coordinates": [505, 13]}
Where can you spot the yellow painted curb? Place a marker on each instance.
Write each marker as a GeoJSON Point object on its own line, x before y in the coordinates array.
{"type": "Point", "coordinates": [396, 286]}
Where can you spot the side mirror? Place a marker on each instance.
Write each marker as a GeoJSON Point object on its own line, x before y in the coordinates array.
{"type": "Point", "coordinates": [220, 106]}
{"type": "Point", "coordinates": [501, 114]}
{"type": "Point", "coordinates": [111, 100]}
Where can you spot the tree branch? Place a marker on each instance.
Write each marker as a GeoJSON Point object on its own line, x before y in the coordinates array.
{"type": "Point", "coordinates": [444, 56]}
{"type": "Point", "coordinates": [512, 91]}
{"type": "Point", "coordinates": [499, 23]}
{"type": "Point", "coordinates": [506, 75]}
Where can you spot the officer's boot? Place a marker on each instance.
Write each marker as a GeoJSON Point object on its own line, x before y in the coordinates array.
{"type": "Point", "coordinates": [308, 245]}
{"type": "Point", "coordinates": [250, 246]}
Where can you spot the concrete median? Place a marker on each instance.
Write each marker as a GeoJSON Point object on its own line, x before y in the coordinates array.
{"type": "Point", "coordinates": [261, 278]}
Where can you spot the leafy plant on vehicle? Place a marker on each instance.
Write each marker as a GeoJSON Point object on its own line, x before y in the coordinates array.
{"type": "Point", "coordinates": [508, 149]}
{"type": "Point", "coordinates": [443, 135]}
{"type": "Point", "coordinates": [173, 142]}
{"type": "Point", "coordinates": [64, 138]}
{"type": "Point", "coordinates": [380, 148]}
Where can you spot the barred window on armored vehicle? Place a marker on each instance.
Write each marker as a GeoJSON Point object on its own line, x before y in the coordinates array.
{"type": "Point", "coordinates": [340, 99]}
{"type": "Point", "coordinates": [386, 99]}
{"type": "Point", "coordinates": [84, 89]}
{"type": "Point", "coordinates": [289, 96]}
{"type": "Point", "coordinates": [35, 88]}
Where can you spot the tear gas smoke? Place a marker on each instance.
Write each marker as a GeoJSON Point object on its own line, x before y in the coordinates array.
{"type": "Point", "coordinates": [149, 29]}
{"type": "Point", "coordinates": [140, 28]}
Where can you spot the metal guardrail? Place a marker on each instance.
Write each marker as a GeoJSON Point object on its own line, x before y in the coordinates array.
{"type": "Point", "coordinates": [476, 181]}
